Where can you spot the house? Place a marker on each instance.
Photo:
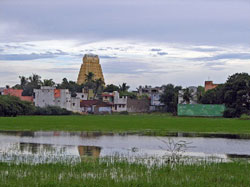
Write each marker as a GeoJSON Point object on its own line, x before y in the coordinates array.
{"type": "Point", "coordinates": [17, 93]}
{"type": "Point", "coordinates": [210, 85]}
{"type": "Point", "coordinates": [95, 107]}
{"type": "Point", "coordinates": [50, 96]}
{"type": "Point", "coordinates": [155, 103]}
{"type": "Point", "coordinates": [119, 104]}
{"type": "Point", "coordinates": [148, 90]}
{"type": "Point", "coordinates": [1, 91]}
{"type": "Point", "coordinates": [193, 96]}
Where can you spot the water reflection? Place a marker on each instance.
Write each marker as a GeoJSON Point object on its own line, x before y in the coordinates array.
{"type": "Point", "coordinates": [77, 145]}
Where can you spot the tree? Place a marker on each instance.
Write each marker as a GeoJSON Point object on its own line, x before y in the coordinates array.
{"type": "Point", "coordinates": [48, 82]}
{"type": "Point", "coordinates": [187, 95]}
{"type": "Point", "coordinates": [200, 93]}
{"type": "Point", "coordinates": [124, 87]}
{"type": "Point", "coordinates": [98, 86]}
{"type": "Point", "coordinates": [111, 88]}
{"type": "Point", "coordinates": [89, 77]}
{"type": "Point", "coordinates": [213, 96]}
{"type": "Point", "coordinates": [237, 95]}
{"type": "Point", "coordinates": [170, 97]}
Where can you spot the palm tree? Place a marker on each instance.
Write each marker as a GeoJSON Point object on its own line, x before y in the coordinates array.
{"type": "Point", "coordinates": [89, 77]}
{"type": "Point", "coordinates": [187, 95]}
{"type": "Point", "coordinates": [48, 82]}
{"type": "Point", "coordinates": [98, 86]}
{"type": "Point", "coordinates": [124, 87]}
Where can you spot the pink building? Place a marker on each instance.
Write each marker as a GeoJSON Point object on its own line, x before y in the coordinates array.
{"type": "Point", "coordinates": [17, 93]}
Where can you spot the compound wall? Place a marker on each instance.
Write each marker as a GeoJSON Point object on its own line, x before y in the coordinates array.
{"type": "Point", "coordinates": [200, 110]}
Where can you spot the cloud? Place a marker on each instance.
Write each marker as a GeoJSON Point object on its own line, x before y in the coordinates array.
{"type": "Point", "coordinates": [162, 53]}
{"type": "Point", "coordinates": [201, 49]}
{"type": "Point", "coordinates": [32, 56]}
{"type": "Point", "coordinates": [162, 20]}
{"type": "Point", "coordinates": [155, 49]}
{"type": "Point", "coordinates": [107, 57]}
{"type": "Point", "coordinates": [125, 67]}
{"type": "Point", "coordinates": [241, 56]}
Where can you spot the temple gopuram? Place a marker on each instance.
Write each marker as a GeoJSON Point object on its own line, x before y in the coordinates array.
{"type": "Point", "coordinates": [90, 64]}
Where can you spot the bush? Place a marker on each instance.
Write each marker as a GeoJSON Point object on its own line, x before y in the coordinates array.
{"type": "Point", "coordinates": [13, 106]}
{"type": "Point", "coordinates": [229, 113]}
{"type": "Point", "coordinates": [51, 110]}
{"type": "Point", "coordinates": [245, 117]}
{"type": "Point", "coordinates": [124, 113]}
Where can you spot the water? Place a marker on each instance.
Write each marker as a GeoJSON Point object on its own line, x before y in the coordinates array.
{"type": "Point", "coordinates": [58, 146]}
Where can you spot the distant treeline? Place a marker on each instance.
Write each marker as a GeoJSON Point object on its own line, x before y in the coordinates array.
{"type": "Point", "coordinates": [13, 106]}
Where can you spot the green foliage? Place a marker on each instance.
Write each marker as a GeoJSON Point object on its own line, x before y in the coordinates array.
{"type": "Point", "coordinates": [235, 94]}
{"type": "Point", "coordinates": [214, 96]}
{"type": "Point", "coordinates": [13, 106]}
{"type": "Point", "coordinates": [124, 87]}
{"type": "Point", "coordinates": [200, 93]}
{"type": "Point", "coordinates": [72, 86]}
{"type": "Point", "coordinates": [130, 95]}
{"type": "Point", "coordinates": [170, 97]}
{"type": "Point", "coordinates": [245, 117]}
{"type": "Point", "coordinates": [124, 113]}
{"type": "Point", "coordinates": [51, 110]}
{"type": "Point", "coordinates": [111, 88]}
{"type": "Point", "coordinates": [187, 95]}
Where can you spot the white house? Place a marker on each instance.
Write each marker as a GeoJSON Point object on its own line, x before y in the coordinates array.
{"type": "Point", "coordinates": [50, 96]}
{"type": "Point", "coordinates": [1, 91]}
{"type": "Point", "coordinates": [119, 104]}
{"type": "Point", "coordinates": [155, 103]}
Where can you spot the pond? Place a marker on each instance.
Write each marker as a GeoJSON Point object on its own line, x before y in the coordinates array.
{"type": "Point", "coordinates": [53, 146]}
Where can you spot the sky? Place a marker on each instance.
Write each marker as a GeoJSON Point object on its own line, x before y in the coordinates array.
{"type": "Point", "coordinates": [139, 42]}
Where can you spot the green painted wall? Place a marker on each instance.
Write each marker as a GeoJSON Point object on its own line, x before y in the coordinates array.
{"type": "Point", "coordinates": [200, 110]}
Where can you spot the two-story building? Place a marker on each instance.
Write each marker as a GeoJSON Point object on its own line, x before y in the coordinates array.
{"type": "Point", "coordinates": [50, 96]}
{"type": "Point", "coordinates": [119, 104]}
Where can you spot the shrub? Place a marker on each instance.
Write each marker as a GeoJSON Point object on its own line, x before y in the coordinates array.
{"type": "Point", "coordinates": [51, 110]}
{"type": "Point", "coordinates": [124, 113]}
{"type": "Point", "coordinates": [245, 117]}
{"type": "Point", "coordinates": [229, 113]}
{"type": "Point", "coordinates": [13, 106]}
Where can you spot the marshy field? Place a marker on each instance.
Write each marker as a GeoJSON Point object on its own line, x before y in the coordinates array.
{"type": "Point", "coordinates": [123, 173]}
{"type": "Point", "coordinates": [116, 150]}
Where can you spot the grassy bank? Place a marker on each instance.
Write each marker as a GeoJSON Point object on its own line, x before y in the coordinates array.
{"type": "Point", "coordinates": [122, 123]}
{"type": "Point", "coordinates": [124, 174]}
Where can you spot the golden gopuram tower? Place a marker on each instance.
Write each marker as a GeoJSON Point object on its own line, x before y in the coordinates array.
{"type": "Point", "coordinates": [90, 64]}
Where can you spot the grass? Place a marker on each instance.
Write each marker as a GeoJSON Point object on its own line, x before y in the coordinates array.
{"type": "Point", "coordinates": [122, 173]}
{"type": "Point", "coordinates": [123, 123]}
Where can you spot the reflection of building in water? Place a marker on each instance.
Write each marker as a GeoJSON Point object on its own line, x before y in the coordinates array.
{"type": "Point", "coordinates": [92, 151]}
{"type": "Point", "coordinates": [35, 148]}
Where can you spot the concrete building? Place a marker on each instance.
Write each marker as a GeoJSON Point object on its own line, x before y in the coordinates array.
{"type": "Point", "coordinates": [210, 85]}
{"type": "Point", "coordinates": [119, 104]}
{"type": "Point", "coordinates": [90, 64]}
{"type": "Point", "coordinates": [155, 103]}
{"type": "Point", "coordinates": [1, 91]}
{"type": "Point", "coordinates": [16, 93]}
{"type": "Point", "coordinates": [148, 90]}
{"type": "Point", "coordinates": [49, 96]}
{"type": "Point", "coordinates": [95, 107]}
{"type": "Point", "coordinates": [193, 98]}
